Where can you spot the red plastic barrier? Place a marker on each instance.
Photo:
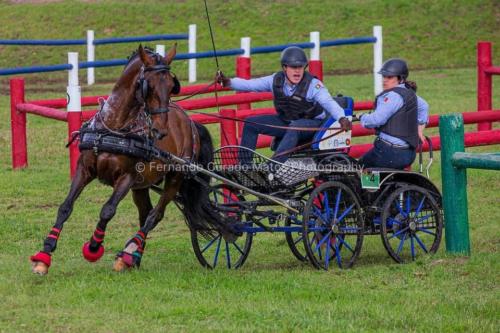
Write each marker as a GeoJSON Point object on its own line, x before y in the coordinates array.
{"type": "Point", "coordinates": [43, 111]}
{"type": "Point", "coordinates": [472, 139]}
{"type": "Point", "coordinates": [211, 102]}
{"type": "Point", "coordinates": [485, 70]}
{"type": "Point", "coordinates": [316, 68]}
{"type": "Point", "coordinates": [18, 125]}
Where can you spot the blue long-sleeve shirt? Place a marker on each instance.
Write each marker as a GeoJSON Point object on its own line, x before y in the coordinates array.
{"type": "Point", "coordinates": [317, 92]}
{"type": "Point", "coordinates": [387, 105]}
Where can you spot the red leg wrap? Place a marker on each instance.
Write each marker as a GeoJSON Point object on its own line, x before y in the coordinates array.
{"type": "Point", "coordinates": [92, 256]}
{"type": "Point", "coordinates": [42, 257]}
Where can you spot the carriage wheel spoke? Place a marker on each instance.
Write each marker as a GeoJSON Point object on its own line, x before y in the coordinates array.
{"type": "Point", "coordinates": [322, 241]}
{"type": "Point", "coordinates": [412, 247]}
{"type": "Point", "coordinates": [399, 232]}
{"type": "Point", "coordinates": [393, 220]}
{"type": "Point", "coordinates": [238, 248]}
{"type": "Point", "coordinates": [408, 205]}
{"type": "Point", "coordinates": [320, 215]}
{"type": "Point", "coordinates": [426, 231]}
{"type": "Point", "coordinates": [423, 218]}
{"type": "Point", "coordinates": [347, 211]}
{"type": "Point", "coordinates": [337, 254]}
{"type": "Point", "coordinates": [337, 203]}
{"type": "Point", "coordinates": [326, 206]}
{"type": "Point", "coordinates": [419, 208]}
{"type": "Point", "coordinates": [209, 244]}
{"type": "Point", "coordinates": [401, 243]}
{"type": "Point", "coordinates": [327, 256]}
{"type": "Point", "coordinates": [228, 255]}
{"type": "Point", "coordinates": [345, 244]}
{"type": "Point", "coordinates": [216, 257]}
{"type": "Point", "coordinates": [421, 244]}
{"type": "Point", "coordinates": [300, 238]}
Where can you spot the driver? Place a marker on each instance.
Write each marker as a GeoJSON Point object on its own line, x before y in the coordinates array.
{"type": "Point", "coordinates": [399, 119]}
{"type": "Point", "coordinates": [300, 100]}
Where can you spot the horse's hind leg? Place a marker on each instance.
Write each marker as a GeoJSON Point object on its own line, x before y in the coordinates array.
{"type": "Point", "coordinates": [93, 249]}
{"type": "Point", "coordinates": [42, 260]}
{"type": "Point", "coordinates": [132, 254]}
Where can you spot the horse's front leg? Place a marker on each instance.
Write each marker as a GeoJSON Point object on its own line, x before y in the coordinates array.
{"type": "Point", "coordinates": [42, 260]}
{"type": "Point", "coordinates": [132, 254]}
{"type": "Point", "coordinates": [93, 249]}
{"type": "Point", "coordinates": [142, 201]}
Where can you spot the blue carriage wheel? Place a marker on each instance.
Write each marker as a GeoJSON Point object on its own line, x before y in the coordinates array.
{"type": "Point", "coordinates": [211, 248]}
{"type": "Point", "coordinates": [333, 226]}
{"type": "Point", "coordinates": [411, 223]}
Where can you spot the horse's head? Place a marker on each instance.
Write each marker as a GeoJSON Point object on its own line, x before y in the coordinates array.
{"type": "Point", "coordinates": [155, 83]}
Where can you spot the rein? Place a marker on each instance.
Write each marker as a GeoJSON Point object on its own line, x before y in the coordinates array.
{"type": "Point", "coordinates": [306, 129]}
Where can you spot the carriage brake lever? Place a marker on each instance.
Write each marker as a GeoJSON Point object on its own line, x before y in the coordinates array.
{"type": "Point", "coordinates": [431, 159]}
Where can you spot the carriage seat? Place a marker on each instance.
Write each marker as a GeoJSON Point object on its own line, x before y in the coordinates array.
{"type": "Point", "coordinates": [345, 102]}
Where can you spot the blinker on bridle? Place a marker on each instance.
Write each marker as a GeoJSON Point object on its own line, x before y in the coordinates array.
{"type": "Point", "coordinates": [144, 87]}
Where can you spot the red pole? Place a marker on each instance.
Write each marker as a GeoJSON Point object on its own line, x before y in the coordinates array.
{"type": "Point", "coordinates": [18, 125]}
{"type": "Point", "coordinates": [484, 84]}
{"type": "Point", "coordinates": [74, 124]}
{"type": "Point", "coordinates": [228, 128]}
{"type": "Point", "coordinates": [244, 71]}
{"type": "Point", "coordinates": [316, 68]}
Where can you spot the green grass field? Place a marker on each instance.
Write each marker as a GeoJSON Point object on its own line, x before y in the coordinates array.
{"type": "Point", "coordinates": [272, 291]}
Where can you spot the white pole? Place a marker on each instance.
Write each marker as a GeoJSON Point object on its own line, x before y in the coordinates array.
{"type": "Point", "coordinates": [90, 56]}
{"type": "Point", "coordinates": [377, 59]}
{"type": "Point", "coordinates": [245, 45]}
{"type": "Point", "coordinates": [73, 89]}
{"type": "Point", "coordinates": [314, 37]}
{"type": "Point", "coordinates": [160, 49]}
{"type": "Point", "coordinates": [192, 49]}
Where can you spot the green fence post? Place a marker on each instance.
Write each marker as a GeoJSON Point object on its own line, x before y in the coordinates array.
{"type": "Point", "coordinates": [451, 132]}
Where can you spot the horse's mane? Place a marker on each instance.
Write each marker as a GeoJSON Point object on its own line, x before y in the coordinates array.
{"type": "Point", "coordinates": [135, 54]}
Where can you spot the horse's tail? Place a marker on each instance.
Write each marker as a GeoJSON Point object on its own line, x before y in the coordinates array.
{"type": "Point", "coordinates": [194, 194]}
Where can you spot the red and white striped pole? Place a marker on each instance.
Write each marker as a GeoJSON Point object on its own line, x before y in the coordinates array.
{"type": "Point", "coordinates": [315, 64]}
{"type": "Point", "coordinates": [74, 109]}
{"type": "Point", "coordinates": [18, 125]}
{"type": "Point", "coordinates": [484, 84]}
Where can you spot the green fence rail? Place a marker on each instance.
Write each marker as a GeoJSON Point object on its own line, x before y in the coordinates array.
{"type": "Point", "coordinates": [454, 164]}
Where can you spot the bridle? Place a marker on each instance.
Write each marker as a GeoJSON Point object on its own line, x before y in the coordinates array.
{"type": "Point", "coordinates": [143, 88]}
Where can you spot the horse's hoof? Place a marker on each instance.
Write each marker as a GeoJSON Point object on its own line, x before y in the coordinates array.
{"type": "Point", "coordinates": [40, 263]}
{"type": "Point", "coordinates": [92, 256]}
{"type": "Point", "coordinates": [120, 265]}
{"type": "Point", "coordinates": [39, 268]}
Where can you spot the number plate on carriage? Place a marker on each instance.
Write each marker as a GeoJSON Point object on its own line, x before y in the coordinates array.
{"type": "Point", "coordinates": [370, 180]}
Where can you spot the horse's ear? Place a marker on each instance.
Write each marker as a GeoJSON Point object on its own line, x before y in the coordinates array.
{"type": "Point", "coordinates": [171, 54]}
{"type": "Point", "coordinates": [146, 60]}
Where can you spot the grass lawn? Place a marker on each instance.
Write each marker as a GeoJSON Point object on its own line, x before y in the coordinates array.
{"type": "Point", "coordinates": [271, 292]}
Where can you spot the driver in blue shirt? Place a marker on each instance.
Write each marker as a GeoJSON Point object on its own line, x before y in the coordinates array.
{"type": "Point", "coordinates": [399, 119]}
{"type": "Point", "coordinates": [300, 100]}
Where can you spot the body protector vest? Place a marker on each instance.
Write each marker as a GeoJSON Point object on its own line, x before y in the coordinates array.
{"type": "Point", "coordinates": [404, 123]}
{"type": "Point", "coordinates": [296, 106]}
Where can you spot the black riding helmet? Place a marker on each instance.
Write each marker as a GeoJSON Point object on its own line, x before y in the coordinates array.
{"type": "Point", "coordinates": [293, 56]}
{"type": "Point", "coordinates": [395, 67]}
